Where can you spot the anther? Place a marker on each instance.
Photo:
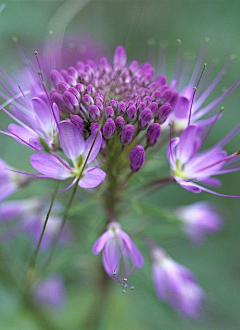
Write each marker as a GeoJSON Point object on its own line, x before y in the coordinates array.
{"type": "Point", "coordinates": [36, 53]}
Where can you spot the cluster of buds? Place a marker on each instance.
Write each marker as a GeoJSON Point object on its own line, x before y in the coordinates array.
{"type": "Point", "coordinates": [126, 99]}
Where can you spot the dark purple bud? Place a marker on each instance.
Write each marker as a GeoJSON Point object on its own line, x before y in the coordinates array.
{"type": "Point", "coordinates": [131, 112]}
{"type": "Point", "coordinates": [64, 73]}
{"type": "Point", "coordinates": [114, 104]}
{"type": "Point", "coordinates": [120, 122]}
{"type": "Point", "coordinates": [144, 118]}
{"type": "Point", "coordinates": [161, 80]}
{"type": "Point", "coordinates": [75, 92]}
{"type": "Point", "coordinates": [153, 86]}
{"type": "Point", "coordinates": [94, 112]}
{"type": "Point", "coordinates": [133, 66]}
{"type": "Point", "coordinates": [63, 86]}
{"type": "Point", "coordinates": [90, 90]}
{"type": "Point", "coordinates": [58, 99]}
{"type": "Point", "coordinates": [80, 88]}
{"type": "Point", "coordinates": [121, 108]}
{"type": "Point", "coordinates": [163, 113]}
{"type": "Point", "coordinates": [142, 106]}
{"type": "Point", "coordinates": [147, 99]}
{"type": "Point", "coordinates": [130, 103]}
{"type": "Point", "coordinates": [94, 127]}
{"type": "Point", "coordinates": [153, 107]}
{"type": "Point", "coordinates": [70, 101]}
{"type": "Point", "coordinates": [87, 100]}
{"type": "Point", "coordinates": [56, 77]}
{"type": "Point", "coordinates": [153, 134]}
{"type": "Point", "coordinates": [156, 96]}
{"type": "Point", "coordinates": [73, 72]}
{"type": "Point", "coordinates": [78, 122]}
{"type": "Point", "coordinates": [137, 158]}
{"type": "Point", "coordinates": [145, 92]}
{"type": "Point", "coordinates": [127, 134]}
{"type": "Point", "coordinates": [71, 81]}
{"type": "Point", "coordinates": [109, 128]}
{"type": "Point", "coordinates": [109, 112]}
{"type": "Point", "coordinates": [99, 105]}
{"type": "Point", "coordinates": [98, 99]}
{"type": "Point", "coordinates": [120, 57]}
{"type": "Point", "coordinates": [166, 95]}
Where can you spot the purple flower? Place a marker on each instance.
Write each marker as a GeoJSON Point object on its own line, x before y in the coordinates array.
{"type": "Point", "coordinates": [182, 87]}
{"type": "Point", "coordinates": [28, 216]}
{"type": "Point", "coordinates": [51, 292]}
{"type": "Point", "coordinates": [9, 181]}
{"type": "Point", "coordinates": [199, 220]}
{"type": "Point", "coordinates": [79, 151]}
{"type": "Point", "coordinates": [189, 165]}
{"type": "Point", "coordinates": [176, 285]}
{"type": "Point", "coordinates": [118, 249]}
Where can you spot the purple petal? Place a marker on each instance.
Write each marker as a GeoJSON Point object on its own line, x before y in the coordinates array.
{"type": "Point", "coordinates": [93, 177]}
{"type": "Point", "coordinates": [96, 147]}
{"type": "Point", "coordinates": [136, 256]}
{"type": "Point", "coordinates": [182, 108]}
{"type": "Point", "coordinates": [21, 132]}
{"type": "Point", "coordinates": [111, 255]}
{"type": "Point", "coordinates": [43, 113]}
{"type": "Point", "coordinates": [187, 146]}
{"type": "Point", "coordinates": [71, 140]}
{"type": "Point", "coordinates": [49, 166]}
{"type": "Point", "coordinates": [171, 152]}
{"type": "Point", "coordinates": [99, 244]}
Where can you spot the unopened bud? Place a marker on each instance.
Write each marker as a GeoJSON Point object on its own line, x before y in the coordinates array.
{"type": "Point", "coordinates": [94, 112]}
{"type": "Point", "coordinates": [131, 112]}
{"type": "Point", "coordinates": [87, 100]}
{"type": "Point", "coordinates": [137, 158]}
{"type": "Point", "coordinates": [120, 57]}
{"type": "Point", "coordinates": [121, 108]}
{"type": "Point", "coordinates": [70, 101]}
{"type": "Point", "coordinates": [56, 77]}
{"type": "Point", "coordinates": [127, 134]}
{"type": "Point", "coordinates": [120, 122]}
{"type": "Point", "coordinates": [58, 99]}
{"type": "Point", "coordinates": [109, 128]}
{"type": "Point", "coordinates": [78, 122]}
{"type": "Point", "coordinates": [144, 118]}
{"type": "Point", "coordinates": [163, 113]}
{"type": "Point", "coordinates": [109, 112]}
{"type": "Point", "coordinates": [153, 134]}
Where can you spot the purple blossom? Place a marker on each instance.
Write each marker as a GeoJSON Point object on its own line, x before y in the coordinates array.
{"type": "Point", "coordinates": [28, 216]}
{"type": "Point", "coordinates": [10, 181]}
{"type": "Point", "coordinates": [51, 292]}
{"type": "Point", "coordinates": [199, 220]}
{"type": "Point", "coordinates": [182, 87]}
{"type": "Point", "coordinates": [176, 285]}
{"type": "Point", "coordinates": [118, 249]}
{"type": "Point", "coordinates": [78, 151]}
{"type": "Point", "coordinates": [189, 165]}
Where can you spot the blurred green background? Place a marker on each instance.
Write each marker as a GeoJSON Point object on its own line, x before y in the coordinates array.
{"type": "Point", "coordinates": [217, 263]}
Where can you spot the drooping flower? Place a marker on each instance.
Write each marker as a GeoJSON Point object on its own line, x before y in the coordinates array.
{"type": "Point", "coordinates": [51, 292]}
{"type": "Point", "coordinates": [118, 252]}
{"type": "Point", "coordinates": [27, 216]}
{"type": "Point", "coordinates": [189, 165]}
{"type": "Point", "coordinates": [79, 152]}
{"type": "Point", "coordinates": [199, 220]}
{"type": "Point", "coordinates": [176, 285]}
{"type": "Point", "coordinates": [10, 181]}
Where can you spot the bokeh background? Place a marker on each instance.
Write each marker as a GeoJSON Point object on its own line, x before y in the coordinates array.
{"type": "Point", "coordinates": [216, 263]}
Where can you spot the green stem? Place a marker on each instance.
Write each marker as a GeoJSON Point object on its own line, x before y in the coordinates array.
{"type": "Point", "coordinates": [64, 219]}
{"type": "Point", "coordinates": [33, 259]}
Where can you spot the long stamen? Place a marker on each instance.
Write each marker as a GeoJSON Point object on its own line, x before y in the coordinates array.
{"type": "Point", "coordinates": [177, 60]}
{"type": "Point", "coordinates": [194, 93]}
{"type": "Point", "coordinates": [199, 61]}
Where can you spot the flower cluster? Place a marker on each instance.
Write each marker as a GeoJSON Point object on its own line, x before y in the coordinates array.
{"type": "Point", "coordinates": [98, 121]}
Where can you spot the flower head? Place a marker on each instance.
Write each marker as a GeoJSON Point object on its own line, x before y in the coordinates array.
{"type": "Point", "coordinates": [176, 285]}
{"type": "Point", "coordinates": [118, 250]}
{"type": "Point", "coordinates": [199, 220]}
{"type": "Point", "coordinates": [190, 165]}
